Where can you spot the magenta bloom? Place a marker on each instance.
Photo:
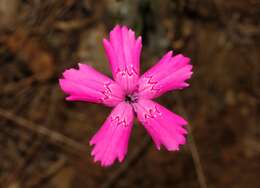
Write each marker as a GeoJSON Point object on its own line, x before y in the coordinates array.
{"type": "Point", "coordinates": [130, 94]}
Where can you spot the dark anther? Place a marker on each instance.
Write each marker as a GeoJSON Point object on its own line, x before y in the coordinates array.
{"type": "Point", "coordinates": [128, 99]}
{"type": "Point", "coordinates": [131, 98]}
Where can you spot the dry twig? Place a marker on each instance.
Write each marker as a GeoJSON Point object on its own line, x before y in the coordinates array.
{"type": "Point", "coordinates": [132, 160]}
{"type": "Point", "coordinates": [53, 136]}
{"type": "Point", "coordinates": [52, 170]}
{"type": "Point", "coordinates": [194, 151]}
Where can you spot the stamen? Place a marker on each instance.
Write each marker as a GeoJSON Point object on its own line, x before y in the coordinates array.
{"type": "Point", "coordinates": [131, 98]}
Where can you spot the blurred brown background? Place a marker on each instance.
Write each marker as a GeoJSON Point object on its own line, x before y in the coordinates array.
{"type": "Point", "coordinates": [44, 139]}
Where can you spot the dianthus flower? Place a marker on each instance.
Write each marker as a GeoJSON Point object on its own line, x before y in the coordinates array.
{"type": "Point", "coordinates": [130, 95]}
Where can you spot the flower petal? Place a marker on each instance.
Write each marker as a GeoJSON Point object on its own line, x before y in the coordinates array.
{"type": "Point", "coordinates": [87, 84]}
{"type": "Point", "coordinates": [123, 51]}
{"type": "Point", "coordinates": [111, 141]}
{"type": "Point", "coordinates": [170, 73]}
{"type": "Point", "coordinates": [164, 126]}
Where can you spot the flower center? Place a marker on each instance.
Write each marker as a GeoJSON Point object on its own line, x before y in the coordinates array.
{"type": "Point", "coordinates": [131, 98]}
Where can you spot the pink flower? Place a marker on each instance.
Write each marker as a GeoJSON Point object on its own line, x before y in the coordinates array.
{"type": "Point", "coordinates": [130, 94]}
